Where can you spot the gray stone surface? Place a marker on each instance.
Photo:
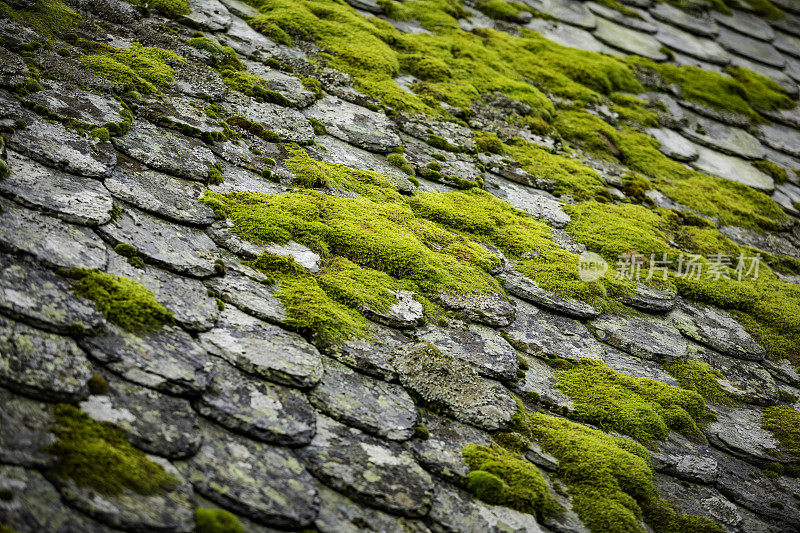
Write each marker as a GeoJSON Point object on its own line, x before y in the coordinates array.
{"type": "Point", "coordinates": [376, 407]}
{"type": "Point", "coordinates": [479, 345]}
{"type": "Point", "coordinates": [541, 386]}
{"type": "Point", "coordinates": [42, 365]}
{"type": "Point", "coordinates": [491, 309]}
{"type": "Point", "coordinates": [53, 145]}
{"type": "Point", "coordinates": [539, 204]}
{"type": "Point", "coordinates": [171, 198]}
{"type": "Point", "coordinates": [745, 23]}
{"type": "Point", "coordinates": [747, 381]}
{"type": "Point", "coordinates": [51, 241]}
{"type": "Point", "coordinates": [788, 43]}
{"type": "Point", "coordinates": [640, 23]}
{"type": "Point", "coordinates": [74, 199]}
{"type": "Point", "coordinates": [520, 286]}
{"type": "Point", "coordinates": [338, 151]}
{"type": "Point", "coordinates": [357, 125]}
{"type": "Point", "coordinates": [250, 295]}
{"type": "Point", "coordinates": [541, 333]}
{"type": "Point", "coordinates": [684, 459]}
{"type": "Point", "coordinates": [287, 122]}
{"type": "Point", "coordinates": [781, 77]}
{"type": "Point", "coordinates": [456, 386]}
{"type": "Point", "coordinates": [687, 43]}
{"type": "Point", "coordinates": [723, 138]}
{"type": "Point", "coordinates": [646, 337]}
{"type": "Point", "coordinates": [781, 138]}
{"type": "Point", "coordinates": [738, 431]}
{"type": "Point", "coordinates": [455, 510]}
{"type": "Point", "coordinates": [67, 102]}
{"type": "Point", "coordinates": [210, 15]}
{"type": "Point", "coordinates": [732, 168]}
{"type": "Point", "coordinates": [261, 410]}
{"type": "Point", "coordinates": [181, 366]}
{"type": "Point", "coordinates": [288, 86]}
{"type": "Point", "coordinates": [569, 11]}
{"type": "Point", "coordinates": [373, 355]}
{"type": "Point", "coordinates": [716, 329]}
{"type": "Point", "coordinates": [181, 249]}
{"type": "Point", "coordinates": [187, 298]}
{"type": "Point", "coordinates": [13, 69]}
{"type": "Point", "coordinates": [628, 40]}
{"type": "Point", "coordinates": [25, 432]}
{"type": "Point", "coordinates": [36, 295]}
{"type": "Point", "coordinates": [167, 151]}
{"type": "Point", "coordinates": [704, 25]}
{"type": "Point", "coordinates": [406, 312]}
{"type": "Point", "coordinates": [440, 453]}
{"type": "Point", "coordinates": [367, 469]}
{"type": "Point", "coordinates": [750, 48]}
{"type": "Point", "coordinates": [673, 145]}
{"type": "Point", "coordinates": [170, 510]}
{"type": "Point", "coordinates": [35, 505]}
{"type": "Point", "coordinates": [649, 299]}
{"type": "Point", "coordinates": [153, 422]}
{"type": "Point", "coordinates": [260, 481]}
{"type": "Point", "coordinates": [566, 35]}
{"type": "Point", "coordinates": [340, 514]}
{"type": "Point", "coordinates": [264, 350]}
{"type": "Point", "coordinates": [707, 502]}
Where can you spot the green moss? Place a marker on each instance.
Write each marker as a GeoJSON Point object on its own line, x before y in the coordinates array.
{"type": "Point", "coordinates": [125, 302]}
{"type": "Point", "coordinates": [98, 385]}
{"type": "Point", "coordinates": [310, 310]}
{"type": "Point", "coordinates": [609, 478]}
{"type": "Point", "coordinates": [216, 521]}
{"type": "Point", "coordinates": [317, 126]}
{"type": "Point", "coordinates": [641, 408]}
{"type": "Point", "coordinates": [98, 456]}
{"type": "Point", "coordinates": [7, 529]}
{"type": "Point", "coordinates": [255, 86]}
{"type": "Point", "coordinates": [4, 170]}
{"type": "Point", "coordinates": [101, 133]}
{"type": "Point", "coordinates": [49, 18]}
{"type": "Point", "coordinates": [397, 160]}
{"type": "Point", "coordinates": [742, 92]}
{"type": "Point", "coordinates": [769, 168]}
{"type": "Point", "coordinates": [488, 142]}
{"type": "Point", "coordinates": [570, 176]}
{"type": "Point", "coordinates": [169, 8]}
{"type": "Point", "coordinates": [699, 377]}
{"type": "Point", "coordinates": [357, 287]}
{"type": "Point", "coordinates": [501, 477]}
{"type": "Point", "coordinates": [784, 423]}
{"type": "Point", "coordinates": [502, 10]}
{"type": "Point", "coordinates": [224, 58]}
{"type": "Point", "coordinates": [138, 68]}
{"type": "Point", "coordinates": [766, 307]}
{"type": "Point", "coordinates": [254, 128]}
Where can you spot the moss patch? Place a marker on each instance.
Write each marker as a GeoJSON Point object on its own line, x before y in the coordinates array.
{"type": "Point", "coordinates": [216, 521]}
{"type": "Point", "coordinates": [98, 456]}
{"type": "Point", "coordinates": [125, 302]}
{"type": "Point", "coordinates": [641, 408]}
{"type": "Point", "coordinates": [700, 378]}
{"type": "Point", "coordinates": [138, 68]}
{"type": "Point", "coordinates": [501, 477]}
{"type": "Point", "coordinates": [609, 478]}
{"type": "Point", "coordinates": [784, 423]}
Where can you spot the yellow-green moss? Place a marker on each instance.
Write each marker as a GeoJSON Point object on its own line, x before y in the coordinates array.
{"type": "Point", "coordinates": [216, 521]}
{"type": "Point", "coordinates": [769, 168]}
{"type": "Point", "coordinates": [97, 455]}
{"type": "Point", "coordinates": [501, 477]}
{"type": "Point", "coordinates": [125, 302]}
{"type": "Point", "coordinates": [49, 18]}
{"type": "Point", "coordinates": [744, 91]}
{"type": "Point", "coordinates": [700, 378]}
{"type": "Point", "coordinates": [641, 408]}
{"type": "Point", "coordinates": [784, 423]}
{"type": "Point", "coordinates": [357, 287]}
{"type": "Point", "coordinates": [169, 8]}
{"type": "Point", "coordinates": [609, 478]}
{"type": "Point", "coordinates": [138, 68]}
{"type": "Point", "coordinates": [400, 162]}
